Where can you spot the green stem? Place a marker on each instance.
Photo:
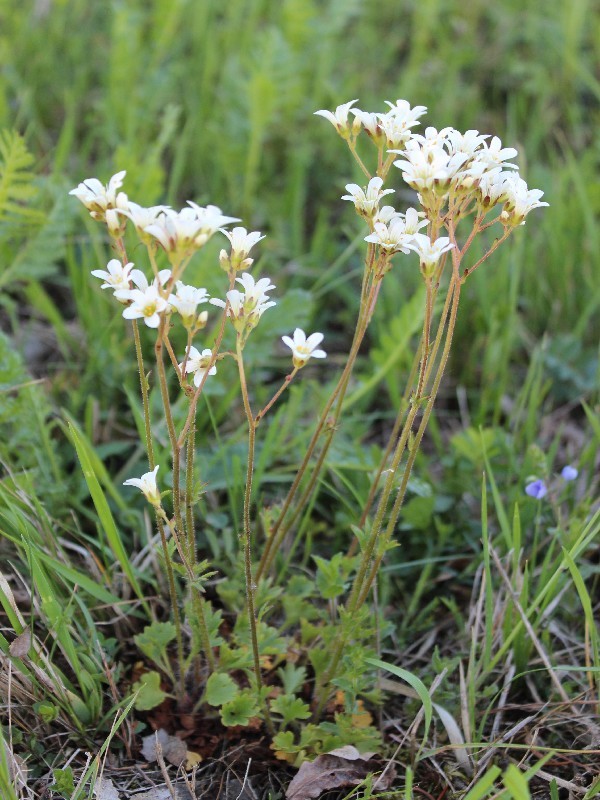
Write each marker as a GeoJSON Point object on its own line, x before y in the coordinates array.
{"type": "Point", "coordinates": [189, 493]}
{"type": "Point", "coordinates": [279, 530]}
{"type": "Point", "coordinates": [246, 537]}
{"type": "Point", "coordinates": [144, 389]}
{"type": "Point", "coordinates": [175, 447]}
{"type": "Point", "coordinates": [176, 614]}
{"type": "Point", "coordinates": [366, 576]}
{"type": "Point", "coordinates": [413, 450]}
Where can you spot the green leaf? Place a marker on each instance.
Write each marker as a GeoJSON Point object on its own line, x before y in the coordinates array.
{"type": "Point", "coordinates": [154, 640]}
{"type": "Point", "coordinates": [290, 708]}
{"type": "Point", "coordinates": [220, 689]}
{"type": "Point", "coordinates": [516, 783]}
{"type": "Point", "coordinates": [240, 710]}
{"type": "Point", "coordinates": [418, 513]}
{"type": "Point", "coordinates": [416, 683]}
{"type": "Point", "coordinates": [149, 693]}
{"type": "Point", "coordinates": [292, 677]}
{"type": "Point", "coordinates": [64, 782]}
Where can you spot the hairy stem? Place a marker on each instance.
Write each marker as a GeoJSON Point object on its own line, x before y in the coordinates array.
{"type": "Point", "coordinates": [246, 537]}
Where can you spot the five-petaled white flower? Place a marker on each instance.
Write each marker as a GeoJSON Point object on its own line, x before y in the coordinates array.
{"type": "Point", "coordinates": [366, 201]}
{"type": "Point", "coordinates": [339, 119]}
{"type": "Point", "coordinates": [520, 200]}
{"type": "Point", "coordinates": [246, 308]}
{"type": "Point", "coordinates": [241, 244]}
{"type": "Point", "coordinates": [98, 199]}
{"type": "Point", "coordinates": [430, 252]}
{"type": "Point", "coordinates": [198, 363]}
{"type": "Point", "coordinates": [397, 122]}
{"type": "Point", "coordinates": [118, 276]}
{"type": "Point", "coordinates": [397, 235]}
{"type": "Point", "coordinates": [304, 347]}
{"type": "Point", "coordinates": [147, 302]}
{"type": "Point", "coordinates": [147, 484]}
{"type": "Point", "coordinates": [187, 300]}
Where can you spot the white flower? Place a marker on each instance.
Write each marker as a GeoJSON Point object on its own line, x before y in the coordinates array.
{"type": "Point", "coordinates": [366, 200]}
{"type": "Point", "coordinates": [98, 198]}
{"type": "Point", "coordinates": [467, 143]}
{"type": "Point", "coordinates": [183, 232]}
{"type": "Point", "coordinates": [141, 281]}
{"type": "Point", "coordinates": [401, 108]}
{"type": "Point", "coordinates": [519, 200]}
{"type": "Point", "coordinates": [197, 362]}
{"type": "Point", "coordinates": [118, 275]}
{"type": "Point", "coordinates": [398, 121]}
{"type": "Point", "coordinates": [304, 348]}
{"type": "Point", "coordinates": [255, 292]}
{"type": "Point", "coordinates": [414, 221]}
{"type": "Point", "coordinates": [432, 137]}
{"type": "Point", "coordinates": [245, 309]}
{"type": "Point", "coordinates": [429, 168]}
{"type": "Point", "coordinates": [339, 119]}
{"type": "Point", "coordinates": [430, 252]}
{"type": "Point", "coordinates": [241, 244]}
{"type": "Point", "coordinates": [187, 300]}
{"type": "Point", "coordinates": [491, 187]}
{"type": "Point", "coordinates": [386, 214]}
{"type": "Point", "coordinates": [211, 219]}
{"type": "Point", "coordinates": [397, 235]}
{"type": "Point", "coordinates": [370, 122]}
{"type": "Point", "coordinates": [147, 303]}
{"type": "Point", "coordinates": [142, 218]}
{"type": "Point", "coordinates": [495, 155]}
{"type": "Point", "coordinates": [147, 484]}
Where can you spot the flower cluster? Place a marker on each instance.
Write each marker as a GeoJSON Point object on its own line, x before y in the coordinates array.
{"type": "Point", "coordinates": [438, 164]}
{"type": "Point", "coordinates": [246, 308]}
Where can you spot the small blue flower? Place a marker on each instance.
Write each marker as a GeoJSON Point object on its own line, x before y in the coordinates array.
{"type": "Point", "coordinates": [569, 473]}
{"type": "Point", "coordinates": [536, 489]}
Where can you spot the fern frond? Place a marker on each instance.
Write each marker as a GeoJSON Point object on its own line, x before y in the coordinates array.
{"type": "Point", "coordinates": [16, 178]}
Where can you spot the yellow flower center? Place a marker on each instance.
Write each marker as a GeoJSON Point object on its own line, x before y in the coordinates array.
{"type": "Point", "coordinates": [150, 309]}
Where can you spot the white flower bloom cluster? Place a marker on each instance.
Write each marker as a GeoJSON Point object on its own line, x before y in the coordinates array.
{"type": "Point", "coordinates": [104, 202]}
{"type": "Point", "coordinates": [436, 164]}
{"type": "Point", "coordinates": [183, 232]}
{"type": "Point", "coordinates": [246, 308]}
{"type": "Point", "coordinates": [391, 128]}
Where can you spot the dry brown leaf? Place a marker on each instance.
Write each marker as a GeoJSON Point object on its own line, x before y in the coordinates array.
{"type": "Point", "coordinates": [173, 749]}
{"type": "Point", "coordinates": [104, 790]}
{"type": "Point", "coordinates": [19, 648]}
{"type": "Point", "coordinates": [164, 793]}
{"type": "Point", "coordinates": [335, 770]}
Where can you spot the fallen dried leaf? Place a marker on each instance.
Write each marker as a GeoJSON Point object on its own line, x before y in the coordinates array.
{"type": "Point", "coordinates": [163, 793]}
{"type": "Point", "coordinates": [19, 648]}
{"type": "Point", "coordinates": [337, 769]}
{"type": "Point", "coordinates": [104, 790]}
{"type": "Point", "coordinates": [173, 749]}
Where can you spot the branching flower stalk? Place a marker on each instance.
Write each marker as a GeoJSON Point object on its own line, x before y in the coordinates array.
{"type": "Point", "coordinates": [455, 176]}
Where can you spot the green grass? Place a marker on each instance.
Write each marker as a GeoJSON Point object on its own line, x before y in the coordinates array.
{"type": "Point", "coordinates": [215, 102]}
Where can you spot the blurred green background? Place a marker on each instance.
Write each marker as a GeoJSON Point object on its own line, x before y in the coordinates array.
{"type": "Point", "coordinates": [214, 101]}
